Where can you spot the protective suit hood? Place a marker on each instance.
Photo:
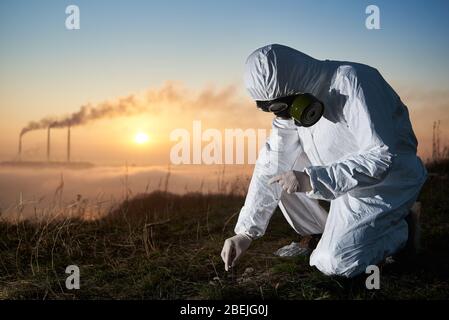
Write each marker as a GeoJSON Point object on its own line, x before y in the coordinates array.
{"type": "Point", "coordinates": [276, 71]}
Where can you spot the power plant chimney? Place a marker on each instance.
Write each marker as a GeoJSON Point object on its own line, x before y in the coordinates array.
{"type": "Point", "coordinates": [20, 147]}
{"type": "Point", "coordinates": [68, 143]}
{"type": "Point", "coordinates": [48, 143]}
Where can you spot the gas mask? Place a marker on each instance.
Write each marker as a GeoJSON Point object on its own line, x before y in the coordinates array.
{"type": "Point", "coordinates": [303, 108]}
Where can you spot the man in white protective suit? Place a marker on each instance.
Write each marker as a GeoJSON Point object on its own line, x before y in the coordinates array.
{"type": "Point", "coordinates": [340, 134]}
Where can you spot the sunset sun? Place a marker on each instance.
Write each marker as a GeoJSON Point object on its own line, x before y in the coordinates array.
{"type": "Point", "coordinates": [141, 138]}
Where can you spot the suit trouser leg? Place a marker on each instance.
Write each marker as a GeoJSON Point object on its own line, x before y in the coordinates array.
{"type": "Point", "coordinates": [304, 214]}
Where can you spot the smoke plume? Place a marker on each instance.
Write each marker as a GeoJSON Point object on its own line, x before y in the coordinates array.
{"type": "Point", "coordinates": [171, 93]}
{"type": "Point", "coordinates": [122, 107]}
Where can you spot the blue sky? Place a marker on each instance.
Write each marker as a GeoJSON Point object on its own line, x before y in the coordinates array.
{"type": "Point", "coordinates": [144, 42]}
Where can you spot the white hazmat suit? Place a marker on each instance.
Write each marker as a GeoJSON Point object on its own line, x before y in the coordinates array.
{"type": "Point", "coordinates": [360, 156]}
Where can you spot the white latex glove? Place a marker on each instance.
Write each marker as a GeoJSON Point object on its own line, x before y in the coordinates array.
{"type": "Point", "coordinates": [293, 181]}
{"type": "Point", "coordinates": [234, 248]}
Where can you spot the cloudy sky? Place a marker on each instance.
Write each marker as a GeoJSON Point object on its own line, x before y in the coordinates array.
{"type": "Point", "coordinates": [188, 56]}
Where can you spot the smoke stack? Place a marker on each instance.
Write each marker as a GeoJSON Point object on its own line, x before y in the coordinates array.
{"type": "Point", "coordinates": [20, 147]}
{"type": "Point", "coordinates": [68, 144]}
{"type": "Point", "coordinates": [48, 143]}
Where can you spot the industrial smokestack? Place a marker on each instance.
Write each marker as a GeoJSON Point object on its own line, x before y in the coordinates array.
{"type": "Point", "coordinates": [48, 143]}
{"type": "Point", "coordinates": [20, 147]}
{"type": "Point", "coordinates": [68, 143]}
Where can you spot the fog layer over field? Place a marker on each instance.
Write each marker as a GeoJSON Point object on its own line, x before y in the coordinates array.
{"type": "Point", "coordinates": [30, 192]}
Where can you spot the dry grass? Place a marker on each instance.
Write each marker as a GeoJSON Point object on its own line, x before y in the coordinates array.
{"type": "Point", "coordinates": [164, 246]}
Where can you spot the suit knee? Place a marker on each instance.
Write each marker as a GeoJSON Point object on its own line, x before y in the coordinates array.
{"type": "Point", "coordinates": [332, 263]}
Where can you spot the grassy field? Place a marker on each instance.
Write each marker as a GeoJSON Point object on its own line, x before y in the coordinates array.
{"type": "Point", "coordinates": [164, 246]}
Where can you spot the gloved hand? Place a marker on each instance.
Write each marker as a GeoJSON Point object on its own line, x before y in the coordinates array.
{"type": "Point", "coordinates": [293, 181]}
{"type": "Point", "coordinates": [234, 248]}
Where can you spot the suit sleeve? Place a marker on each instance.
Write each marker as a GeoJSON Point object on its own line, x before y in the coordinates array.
{"type": "Point", "coordinates": [277, 155]}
